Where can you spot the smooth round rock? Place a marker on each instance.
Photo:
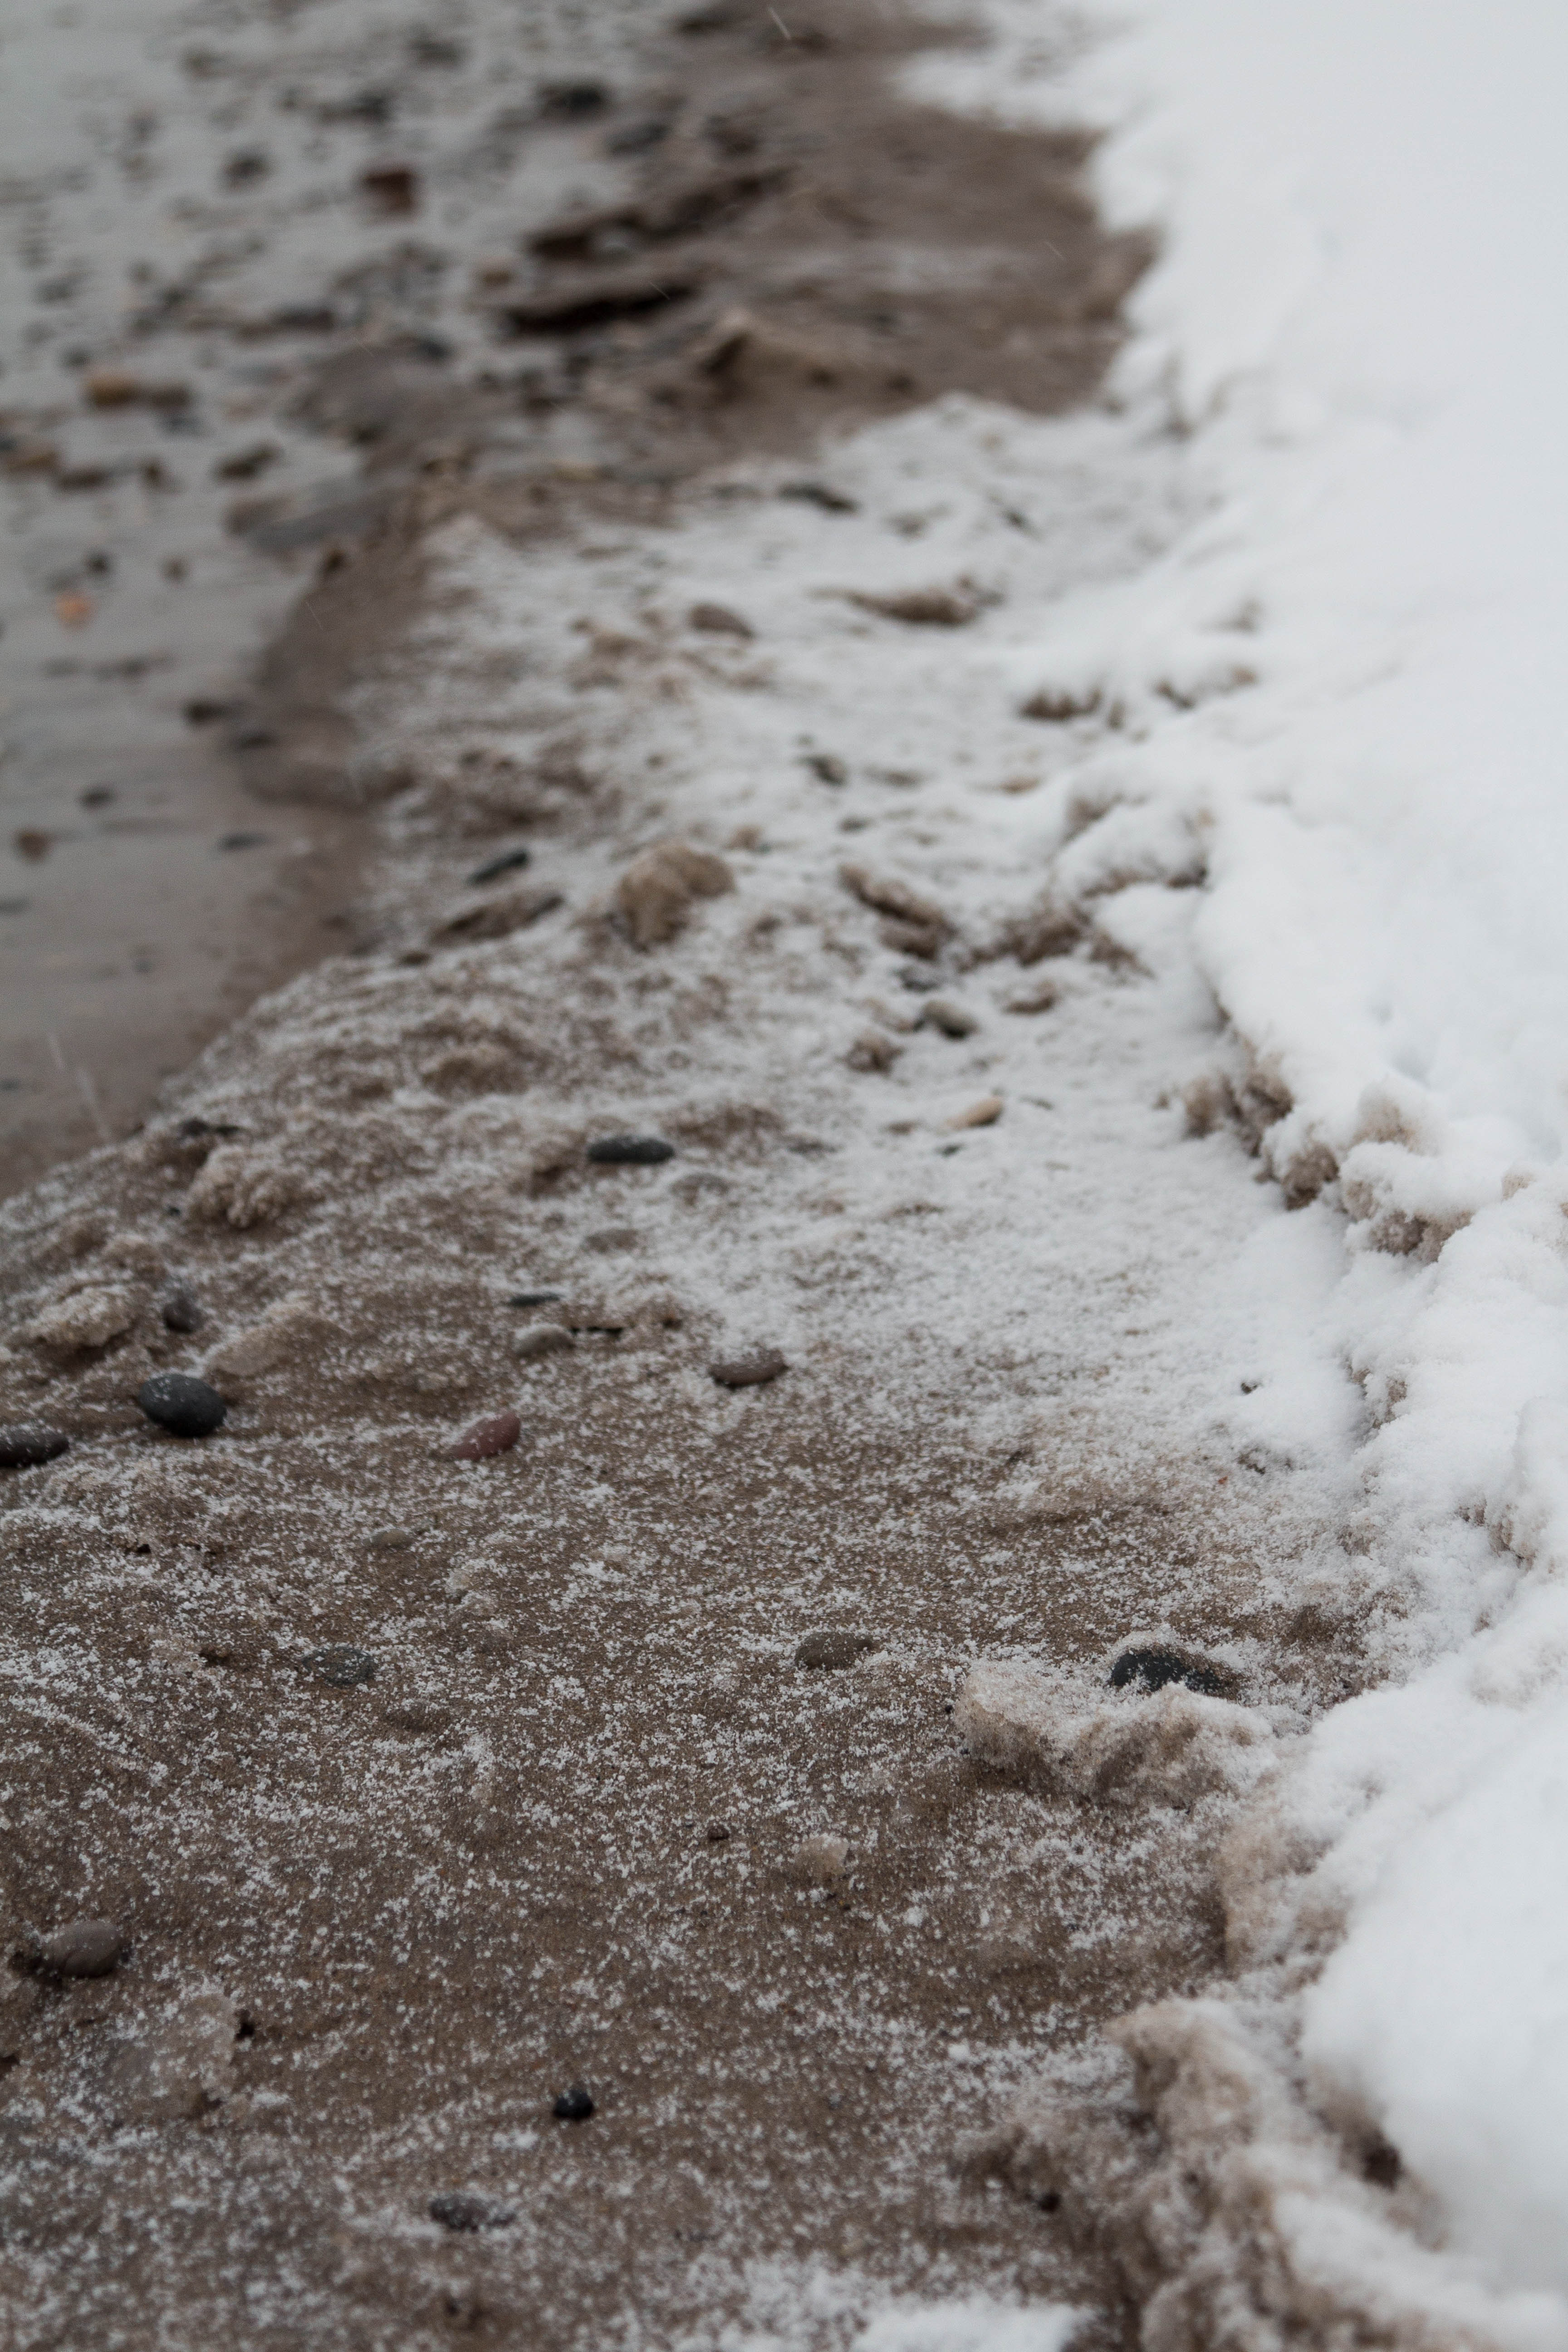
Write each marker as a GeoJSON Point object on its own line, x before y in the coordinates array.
{"type": "Point", "coordinates": [182, 1404]}
{"type": "Point", "coordinates": [832, 1650]}
{"type": "Point", "coordinates": [456, 2210]}
{"type": "Point", "coordinates": [24, 1444]}
{"type": "Point", "coordinates": [542, 1339]}
{"type": "Point", "coordinates": [574, 2105]}
{"type": "Point", "coordinates": [341, 1666]}
{"type": "Point", "coordinates": [1153, 1669]}
{"type": "Point", "coordinates": [748, 1371]}
{"type": "Point", "coordinates": [181, 1309]}
{"type": "Point", "coordinates": [630, 1151]}
{"type": "Point", "coordinates": [86, 1948]}
{"type": "Point", "coordinates": [496, 1434]}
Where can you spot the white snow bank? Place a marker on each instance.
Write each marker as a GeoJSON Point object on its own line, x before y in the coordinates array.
{"type": "Point", "coordinates": [1344, 677]}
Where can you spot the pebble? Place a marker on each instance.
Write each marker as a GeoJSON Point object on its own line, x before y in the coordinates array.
{"type": "Point", "coordinates": [180, 1309]}
{"type": "Point", "coordinates": [391, 1540]}
{"type": "Point", "coordinates": [496, 1434]}
{"type": "Point", "coordinates": [186, 1407]}
{"type": "Point", "coordinates": [819, 494]}
{"type": "Point", "coordinates": [872, 1051]}
{"type": "Point", "coordinates": [574, 2105]}
{"type": "Point", "coordinates": [718, 620]}
{"type": "Point", "coordinates": [494, 867]}
{"type": "Point", "coordinates": [24, 1444]}
{"type": "Point", "coordinates": [541, 1339]}
{"type": "Point", "coordinates": [610, 1239]}
{"type": "Point", "coordinates": [951, 1019]}
{"type": "Point", "coordinates": [458, 2211]}
{"type": "Point", "coordinates": [984, 1113]}
{"type": "Point", "coordinates": [718, 1833]}
{"type": "Point", "coordinates": [655, 892]}
{"type": "Point", "coordinates": [341, 1666]}
{"type": "Point", "coordinates": [925, 608]}
{"type": "Point", "coordinates": [86, 1948]}
{"type": "Point", "coordinates": [392, 187]}
{"type": "Point", "coordinates": [1153, 1669]}
{"type": "Point", "coordinates": [832, 1650]}
{"type": "Point", "coordinates": [819, 1860]}
{"type": "Point", "coordinates": [630, 1151]}
{"type": "Point", "coordinates": [534, 1298]}
{"type": "Point", "coordinates": [749, 1371]}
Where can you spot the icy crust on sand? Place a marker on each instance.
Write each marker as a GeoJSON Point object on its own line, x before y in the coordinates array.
{"type": "Point", "coordinates": [1340, 681]}
{"type": "Point", "coordinates": [375, 1181]}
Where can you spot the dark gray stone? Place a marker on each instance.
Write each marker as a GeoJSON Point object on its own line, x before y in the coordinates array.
{"type": "Point", "coordinates": [181, 1309]}
{"type": "Point", "coordinates": [574, 2105]}
{"type": "Point", "coordinates": [1153, 1669]}
{"type": "Point", "coordinates": [630, 1151]}
{"type": "Point", "coordinates": [183, 1405]}
{"type": "Point", "coordinates": [456, 2210]}
{"type": "Point", "coordinates": [24, 1444]}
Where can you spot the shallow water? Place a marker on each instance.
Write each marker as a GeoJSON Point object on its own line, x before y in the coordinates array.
{"type": "Point", "coordinates": [175, 181]}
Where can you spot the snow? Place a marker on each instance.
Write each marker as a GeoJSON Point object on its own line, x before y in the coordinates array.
{"type": "Point", "coordinates": [1343, 678]}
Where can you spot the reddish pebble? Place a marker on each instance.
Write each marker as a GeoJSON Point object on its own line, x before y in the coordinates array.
{"type": "Point", "coordinates": [499, 1434]}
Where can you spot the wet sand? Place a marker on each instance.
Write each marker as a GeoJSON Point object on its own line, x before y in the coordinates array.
{"type": "Point", "coordinates": [421, 1791]}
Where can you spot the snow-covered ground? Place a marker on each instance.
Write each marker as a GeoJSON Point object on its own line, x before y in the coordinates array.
{"type": "Point", "coordinates": [1345, 678]}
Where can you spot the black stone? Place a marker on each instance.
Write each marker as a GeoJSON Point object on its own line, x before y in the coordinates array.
{"type": "Point", "coordinates": [1153, 1669]}
{"type": "Point", "coordinates": [630, 1151]}
{"type": "Point", "coordinates": [184, 1406]}
{"type": "Point", "coordinates": [24, 1444]}
{"type": "Point", "coordinates": [569, 101]}
{"type": "Point", "coordinates": [341, 1667]}
{"type": "Point", "coordinates": [455, 2212]}
{"type": "Point", "coordinates": [180, 1309]}
{"type": "Point", "coordinates": [494, 867]}
{"type": "Point", "coordinates": [574, 2105]}
{"type": "Point", "coordinates": [819, 494]}
{"type": "Point", "coordinates": [534, 1298]}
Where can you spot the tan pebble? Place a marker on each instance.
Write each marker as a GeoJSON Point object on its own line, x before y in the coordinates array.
{"type": "Point", "coordinates": [925, 608]}
{"type": "Point", "coordinates": [985, 1113]}
{"type": "Point", "coordinates": [819, 1860]}
{"type": "Point", "coordinates": [872, 1051]}
{"type": "Point", "coordinates": [538, 1340]}
{"type": "Point", "coordinates": [951, 1019]}
{"type": "Point", "coordinates": [656, 889]}
{"type": "Point", "coordinates": [90, 1319]}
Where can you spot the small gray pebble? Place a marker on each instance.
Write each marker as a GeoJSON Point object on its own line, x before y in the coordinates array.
{"type": "Point", "coordinates": [832, 1649]}
{"type": "Point", "coordinates": [951, 1019]}
{"type": "Point", "coordinates": [86, 1948]}
{"type": "Point", "coordinates": [181, 1309]}
{"type": "Point", "coordinates": [749, 1371]}
{"type": "Point", "coordinates": [341, 1666]}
